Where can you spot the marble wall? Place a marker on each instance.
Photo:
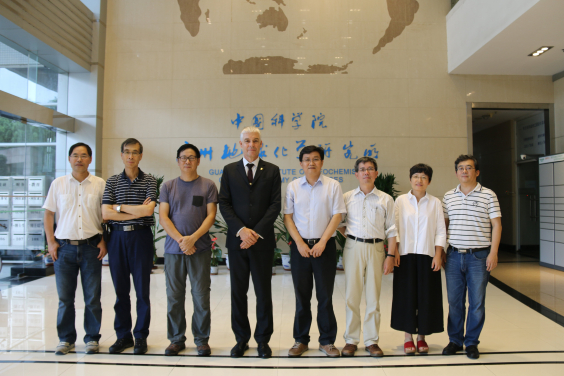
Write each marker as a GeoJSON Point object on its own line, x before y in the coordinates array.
{"type": "Point", "coordinates": [182, 70]}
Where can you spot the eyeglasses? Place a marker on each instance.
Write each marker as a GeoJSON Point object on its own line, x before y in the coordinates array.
{"type": "Point", "coordinates": [134, 153]}
{"type": "Point", "coordinates": [81, 156]}
{"type": "Point", "coordinates": [184, 159]}
{"type": "Point", "coordinates": [314, 160]}
{"type": "Point", "coordinates": [369, 169]}
{"type": "Point", "coordinates": [465, 168]}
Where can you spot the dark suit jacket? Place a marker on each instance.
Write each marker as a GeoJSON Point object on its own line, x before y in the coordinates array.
{"type": "Point", "coordinates": [255, 206]}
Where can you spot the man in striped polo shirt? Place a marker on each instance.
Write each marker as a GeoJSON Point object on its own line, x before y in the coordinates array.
{"type": "Point", "coordinates": [128, 204]}
{"type": "Point", "coordinates": [473, 221]}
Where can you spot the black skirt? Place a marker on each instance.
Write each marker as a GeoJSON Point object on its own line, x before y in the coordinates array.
{"type": "Point", "coordinates": [417, 305]}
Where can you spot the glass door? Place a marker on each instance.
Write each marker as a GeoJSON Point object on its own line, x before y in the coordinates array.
{"type": "Point", "coordinates": [528, 208]}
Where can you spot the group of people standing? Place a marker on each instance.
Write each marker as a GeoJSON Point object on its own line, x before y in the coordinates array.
{"type": "Point", "coordinates": [407, 237]}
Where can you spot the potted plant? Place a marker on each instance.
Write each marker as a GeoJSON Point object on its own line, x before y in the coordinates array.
{"type": "Point", "coordinates": [221, 226]}
{"type": "Point", "coordinates": [282, 234]}
{"type": "Point", "coordinates": [341, 240]}
{"type": "Point", "coordinates": [386, 183]}
{"type": "Point", "coordinates": [216, 257]}
{"type": "Point", "coordinates": [156, 228]}
{"type": "Point", "coordinates": [277, 254]}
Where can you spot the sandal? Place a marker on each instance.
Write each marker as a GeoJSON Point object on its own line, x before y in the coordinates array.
{"type": "Point", "coordinates": [422, 347]}
{"type": "Point", "coordinates": [409, 348]}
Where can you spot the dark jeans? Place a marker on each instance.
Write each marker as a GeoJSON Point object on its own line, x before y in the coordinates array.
{"type": "Point", "coordinates": [466, 272]}
{"type": "Point", "coordinates": [72, 259]}
{"type": "Point", "coordinates": [177, 268]}
{"type": "Point", "coordinates": [305, 270]}
{"type": "Point", "coordinates": [131, 252]}
{"type": "Point", "coordinates": [257, 263]}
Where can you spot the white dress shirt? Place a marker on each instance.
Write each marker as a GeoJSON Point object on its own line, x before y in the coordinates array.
{"type": "Point", "coordinates": [421, 225]}
{"type": "Point", "coordinates": [370, 216]}
{"type": "Point", "coordinates": [254, 168]}
{"type": "Point", "coordinates": [78, 206]}
{"type": "Point", "coordinates": [314, 206]}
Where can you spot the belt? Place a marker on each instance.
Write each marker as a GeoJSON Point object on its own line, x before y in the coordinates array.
{"type": "Point", "coordinates": [127, 227]}
{"type": "Point", "coordinates": [469, 250]}
{"type": "Point", "coordinates": [80, 242]}
{"type": "Point", "coordinates": [311, 241]}
{"type": "Point", "coordinates": [371, 241]}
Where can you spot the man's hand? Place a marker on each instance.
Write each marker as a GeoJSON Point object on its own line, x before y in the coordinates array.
{"type": "Point", "coordinates": [103, 250]}
{"type": "Point", "coordinates": [303, 249]}
{"type": "Point", "coordinates": [186, 243]}
{"type": "Point", "coordinates": [53, 249]}
{"type": "Point", "coordinates": [248, 237]}
{"type": "Point", "coordinates": [397, 259]}
{"type": "Point", "coordinates": [190, 251]}
{"type": "Point", "coordinates": [491, 261]}
{"type": "Point", "coordinates": [318, 249]}
{"type": "Point", "coordinates": [389, 265]}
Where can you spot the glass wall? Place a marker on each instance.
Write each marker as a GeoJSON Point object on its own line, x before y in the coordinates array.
{"type": "Point", "coordinates": [28, 160]}
{"type": "Point", "coordinates": [25, 75]}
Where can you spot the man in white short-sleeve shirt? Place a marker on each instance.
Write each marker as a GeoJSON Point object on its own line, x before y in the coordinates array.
{"type": "Point", "coordinates": [313, 210]}
{"type": "Point", "coordinates": [77, 246]}
{"type": "Point", "coordinates": [473, 222]}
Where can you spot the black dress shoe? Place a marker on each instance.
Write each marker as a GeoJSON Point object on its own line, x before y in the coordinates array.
{"type": "Point", "coordinates": [264, 350]}
{"type": "Point", "coordinates": [451, 349]}
{"type": "Point", "coordinates": [472, 352]}
{"type": "Point", "coordinates": [120, 345]}
{"type": "Point", "coordinates": [239, 350]}
{"type": "Point", "coordinates": [140, 346]}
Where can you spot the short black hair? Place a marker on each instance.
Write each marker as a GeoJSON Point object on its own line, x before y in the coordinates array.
{"type": "Point", "coordinates": [365, 160]}
{"type": "Point", "coordinates": [131, 141]}
{"type": "Point", "coordinates": [421, 168]}
{"type": "Point", "coordinates": [466, 157]}
{"type": "Point", "coordinates": [88, 148]}
{"type": "Point", "coordinates": [312, 149]}
{"type": "Point", "coordinates": [188, 146]}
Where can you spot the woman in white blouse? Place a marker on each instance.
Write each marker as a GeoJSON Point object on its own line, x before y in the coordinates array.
{"type": "Point", "coordinates": [417, 306]}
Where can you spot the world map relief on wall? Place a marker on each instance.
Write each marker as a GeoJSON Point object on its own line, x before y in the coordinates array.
{"type": "Point", "coordinates": [402, 13]}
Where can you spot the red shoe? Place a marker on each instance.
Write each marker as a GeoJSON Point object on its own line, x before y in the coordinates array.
{"type": "Point", "coordinates": [409, 348]}
{"type": "Point", "coordinates": [422, 347]}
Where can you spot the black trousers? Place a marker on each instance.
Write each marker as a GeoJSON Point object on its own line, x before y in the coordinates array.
{"type": "Point", "coordinates": [257, 264]}
{"type": "Point", "coordinates": [304, 271]}
{"type": "Point", "coordinates": [417, 305]}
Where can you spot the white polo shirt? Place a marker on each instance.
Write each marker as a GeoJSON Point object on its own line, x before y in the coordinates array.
{"type": "Point", "coordinates": [78, 206]}
{"type": "Point", "coordinates": [470, 216]}
{"type": "Point", "coordinates": [314, 206]}
{"type": "Point", "coordinates": [420, 225]}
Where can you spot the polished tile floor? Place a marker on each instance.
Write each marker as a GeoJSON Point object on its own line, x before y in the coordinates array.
{"type": "Point", "coordinates": [516, 339]}
{"type": "Point", "coordinates": [525, 275]}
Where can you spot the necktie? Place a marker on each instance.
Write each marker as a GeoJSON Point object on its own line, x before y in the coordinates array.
{"type": "Point", "coordinates": [250, 173]}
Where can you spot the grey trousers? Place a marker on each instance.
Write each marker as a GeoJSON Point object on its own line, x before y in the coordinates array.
{"type": "Point", "coordinates": [177, 268]}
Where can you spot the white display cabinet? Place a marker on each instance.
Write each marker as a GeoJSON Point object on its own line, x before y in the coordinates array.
{"type": "Point", "coordinates": [551, 201]}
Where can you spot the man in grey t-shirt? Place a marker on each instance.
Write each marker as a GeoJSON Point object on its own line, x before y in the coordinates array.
{"type": "Point", "coordinates": [188, 205]}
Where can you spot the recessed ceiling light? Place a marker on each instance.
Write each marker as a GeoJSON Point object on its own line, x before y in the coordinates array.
{"type": "Point", "coordinates": [541, 51]}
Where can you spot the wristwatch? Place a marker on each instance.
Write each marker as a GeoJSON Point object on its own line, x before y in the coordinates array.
{"type": "Point", "coordinates": [118, 209]}
{"type": "Point", "coordinates": [389, 255]}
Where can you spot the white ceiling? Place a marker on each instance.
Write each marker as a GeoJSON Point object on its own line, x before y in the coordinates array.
{"type": "Point", "coordinates": [507, 52]}
{"type": "Point", "coordinates": [483, 119]}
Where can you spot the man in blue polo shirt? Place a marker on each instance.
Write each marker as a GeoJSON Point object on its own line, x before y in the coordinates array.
{"type": "Point", "coordinates": [128, 204]}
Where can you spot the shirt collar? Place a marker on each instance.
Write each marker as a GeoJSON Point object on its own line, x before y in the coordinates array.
{"type": "Point", "coordinates": [478, 188]}
{"type": "Point", "coordinates": [410, 195]}
{"type": "Point", "coordinates": [255, 162]}
{"type": "Point", "coordinates": [303, 180]}
{"type": "Point", "coordinates": [374, 191]}
{"type": "Point", "coordinates": [140, 176]}
{"type": "Point", "coordinates": [71, 178]}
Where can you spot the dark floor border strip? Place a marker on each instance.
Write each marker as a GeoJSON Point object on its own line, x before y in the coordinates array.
{"type": "Point", "coordinates": [517, 262]}
{"type": "Point", "coordinates": [300, 357]}
{"type": "Point", "coordinates": [277, 367]}
{"type": "Point", "coordinates": [543, 310]}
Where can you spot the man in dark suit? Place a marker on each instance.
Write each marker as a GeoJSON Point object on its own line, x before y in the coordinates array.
{"type": "Point", "coordinates": [250, 201]}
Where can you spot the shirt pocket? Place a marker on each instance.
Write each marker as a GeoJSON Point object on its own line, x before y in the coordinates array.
{"type": "Point", "coordinates": [198, 201]}
{"type": "Point", "coordinates": [93, 201]}
{"type": "Point", "coordinates": [64, 202]}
